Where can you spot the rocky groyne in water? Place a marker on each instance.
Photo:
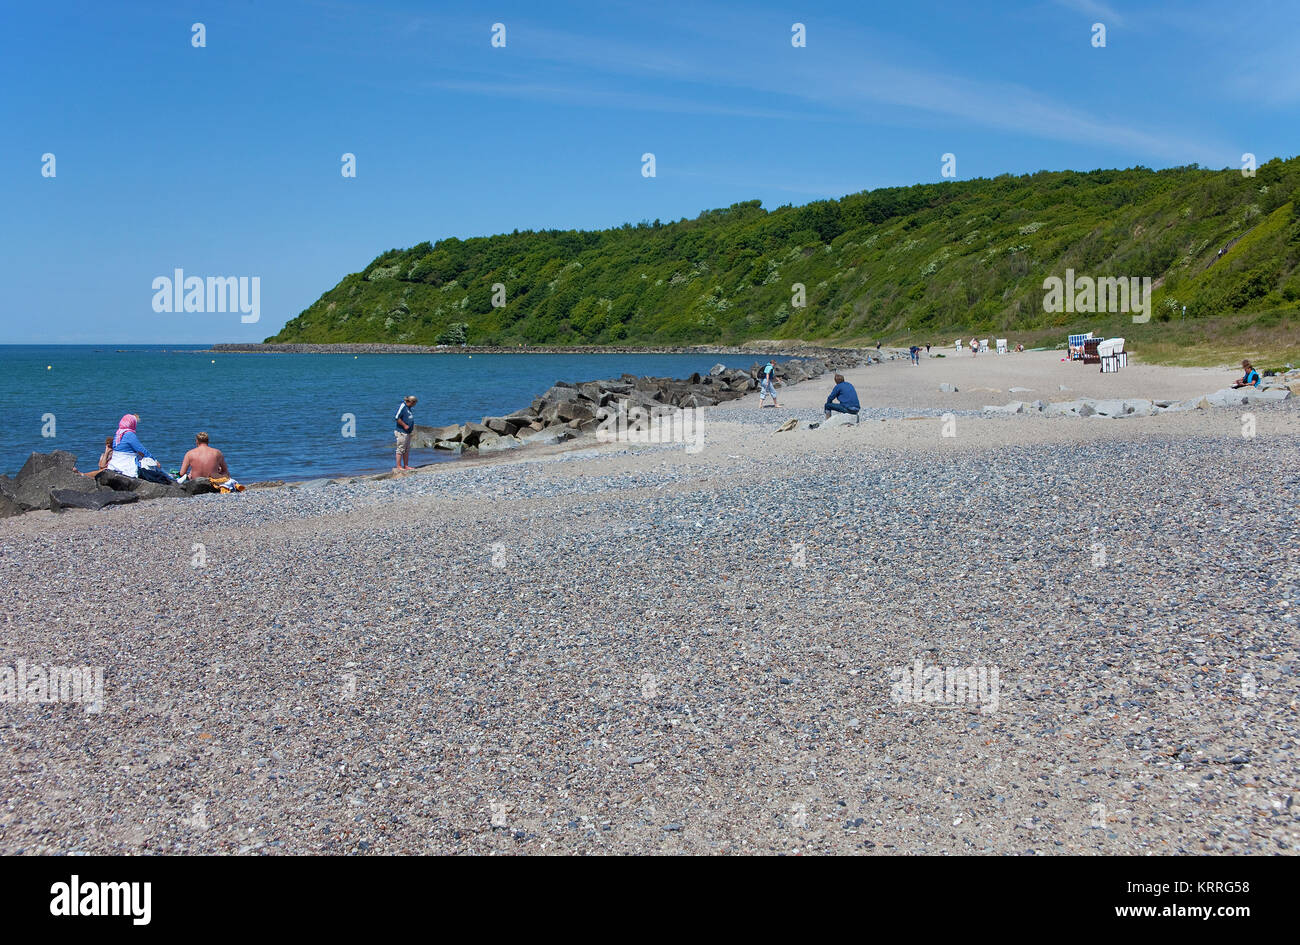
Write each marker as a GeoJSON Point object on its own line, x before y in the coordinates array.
{"type": "Point", "coordinates": [570, 410]}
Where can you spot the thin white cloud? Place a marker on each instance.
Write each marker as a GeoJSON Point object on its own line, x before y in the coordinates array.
{"type": "Point", "coordinates": [863, 90]}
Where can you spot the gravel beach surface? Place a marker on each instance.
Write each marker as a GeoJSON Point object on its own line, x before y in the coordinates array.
{"type": "Point", "coordinates": [636, 648]}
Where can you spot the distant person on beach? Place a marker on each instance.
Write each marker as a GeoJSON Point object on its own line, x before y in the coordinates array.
{"type": "Point", "coordinates": [405, 427]}
{"type": "Point", "coordinates": [766, 385]}
{"type": "Point", "coordinates": [1250, 377]}
{"type": "Point", "coordinates": [127, 448]}
{"type": "Point", "coordinates": [844, 393]}
{"type": "Point", "coordinates": [974, 347]}
{"type": "Point", "coordinates": [927, 350]}
{"type": "Point", "coordinates": [204, 461]}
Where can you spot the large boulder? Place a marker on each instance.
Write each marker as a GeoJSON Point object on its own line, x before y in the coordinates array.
{"type": "Point", "coordinates": [574, 410]}
{"type": "Point", "coordinates": [1228, 397]}
{"type": "Point", "coordinates": [9, 507]}
{"type": "Point", "coordinates": [39, 462]}
{"type": "Point", "coordinates": [1069, 408]}
{"type": "Point", "coordinates": [498, 444]}
{"type": "Point", "coordinates": [102, 498]}
{"type": "Point", "coordinates": [1271, 395]}
{"type": "Point", "coordinates": [560, 392]}
{"type": "Point", "coordinates": [115, 480]}
{"type": "Point", "coordinates": [200, 486]}
{"type": "Point", "coordinates": [32, 491]}
{"type": "Point", "coordinates": [425, 437]}
{"type": "Point", "coordinates": [501, 425]}
{"type": "Point", "coordinates": [470, 433]}
{"type": "Point", "coordinates": [548, 436]}
{"type": "Point", "coordinates": [158, 490]}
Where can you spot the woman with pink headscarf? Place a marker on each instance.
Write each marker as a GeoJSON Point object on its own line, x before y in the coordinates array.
{"type": "Point", "coordinates": [127, 448]}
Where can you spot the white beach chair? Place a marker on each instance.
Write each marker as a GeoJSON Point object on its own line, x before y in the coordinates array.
{"type": "Point", "coordinates": [1112, 355]}
{"type": "Point", "coordinates": [1002, 346]}
{"type": "Point", "coordinates": [984, 344]}
{"type": "Point", "coordinates": [957, 344]}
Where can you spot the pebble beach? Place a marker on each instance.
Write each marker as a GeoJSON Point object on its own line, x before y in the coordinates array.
{"type": "Point", "coordinates": [636, 648]}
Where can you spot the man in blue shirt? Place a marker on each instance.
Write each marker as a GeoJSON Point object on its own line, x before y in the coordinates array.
{"type": "Point", "coordinates": [846, 395]}
{"type": "Point", "coordinates": [405, 427]}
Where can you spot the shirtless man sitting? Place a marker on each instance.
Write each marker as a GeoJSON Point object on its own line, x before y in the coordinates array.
{"type": "Point", "coordinates": [203, 462]}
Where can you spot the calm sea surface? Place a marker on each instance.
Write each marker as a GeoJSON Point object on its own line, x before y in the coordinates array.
{"type": "Point", "coordinates": [275, 416]}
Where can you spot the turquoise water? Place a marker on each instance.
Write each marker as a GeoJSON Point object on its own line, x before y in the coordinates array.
{"type": "Point", "coordinates": [275, 416]}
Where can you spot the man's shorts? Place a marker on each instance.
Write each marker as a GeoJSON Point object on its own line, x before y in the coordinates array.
{"type": "Point", "coordinates": [403, 442]}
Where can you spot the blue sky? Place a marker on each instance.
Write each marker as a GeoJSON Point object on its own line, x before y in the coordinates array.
{"type": "Point", "coordinates": [225, 160]}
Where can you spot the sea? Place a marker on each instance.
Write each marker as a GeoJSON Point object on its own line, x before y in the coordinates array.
{"type": "Point", "coordinates": [276, 416]}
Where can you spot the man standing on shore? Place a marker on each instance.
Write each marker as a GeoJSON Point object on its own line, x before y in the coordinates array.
{"type": "Point", "coordinates": [405, 427]}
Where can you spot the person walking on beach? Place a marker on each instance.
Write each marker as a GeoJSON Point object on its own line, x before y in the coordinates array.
{"type": "Point", "coordinates": [766, 384]}
{"type": "Point", "coordinates": [204, 461]}
{"type": "Point", "coordinates": [405, 427]}
{"type": "Point", "coordinates": [915, 352]}
{"type": "Point", "coordinates": [844, 393]}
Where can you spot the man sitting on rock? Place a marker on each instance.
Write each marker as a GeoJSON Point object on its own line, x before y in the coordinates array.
{"type": "Point", "coordinates": [846, 395]}
{"type": "Point", "coordinates": [204, 461]}
{"type": "Point", "coordinates": [1250, 378]}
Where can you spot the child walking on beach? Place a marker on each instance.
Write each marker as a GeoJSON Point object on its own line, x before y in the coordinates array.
{"type": "Point", "coordinates": [765, 386]}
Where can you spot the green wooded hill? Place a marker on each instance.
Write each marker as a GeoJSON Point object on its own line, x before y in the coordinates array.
{"type": "Point", "coordinates": [958, 256]}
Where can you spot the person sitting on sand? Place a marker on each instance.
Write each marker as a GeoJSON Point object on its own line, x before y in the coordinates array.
{"type": "Point", "coordinates": [204, 461]}
{"type": "Point", "coordinates": [848, 398]}
{"type": "Point", "coordinates": [127, 448]}
{"type": "Point", "coordinates": [1250, 378]}
{"type": "Point", "coordinates": [765, 386]}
